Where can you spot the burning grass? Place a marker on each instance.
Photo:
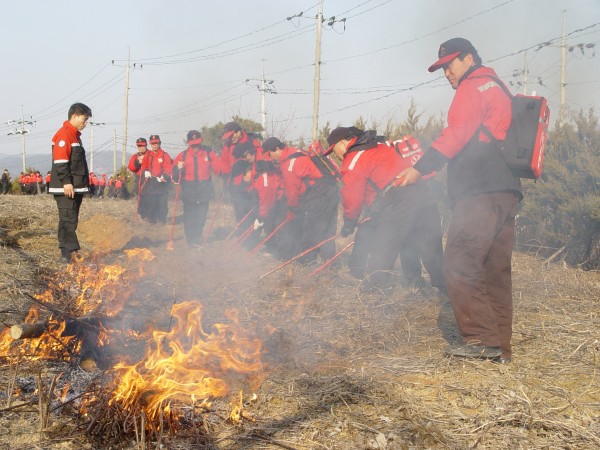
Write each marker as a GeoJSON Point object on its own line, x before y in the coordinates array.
{"type": "Point", "coordinates": [345, 369]}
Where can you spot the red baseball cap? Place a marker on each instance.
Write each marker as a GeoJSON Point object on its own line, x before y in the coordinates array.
{"type": "Point", "coordinates": [451, 49]}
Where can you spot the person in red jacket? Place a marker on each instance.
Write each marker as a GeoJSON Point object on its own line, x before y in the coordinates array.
{"type": "Point", "coordinates": [485, 196]}
{"type": "Point", "coordinates": [312, 199]}
{"type": "Point", "coordinates": [397, 218]}
{"type": "Point", "coordinates": [93, 184]}
{"type": "Point", "coordinates": [192, 168]}
{"type": "Point", "coordinates": [69, 180]}
{"type": "Point", "coordinates": [48, 176]}
{"type": "Point", "coordinates": [233, 136]}
{"type": "Point", "coordinates": [135, 165]}
{"type": "Point", "coordinates": [156, 169]}
{"type": "Point", "coordinates": [267, 183]}
{"type": "Point", "coordinates": [102, 185]}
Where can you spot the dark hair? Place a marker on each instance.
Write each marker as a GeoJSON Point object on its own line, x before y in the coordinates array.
{"type": "Point", "coordinates": [240, 168]}
{"type": "Point", "coordinates": [243, 149]}
{"type": "Point", "coordinates": [79, 109]}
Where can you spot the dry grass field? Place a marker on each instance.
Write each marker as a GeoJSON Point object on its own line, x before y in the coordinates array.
{"type": "Point", "coordinates": [326, 366]}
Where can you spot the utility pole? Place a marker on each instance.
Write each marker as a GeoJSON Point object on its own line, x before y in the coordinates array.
{"type": "Point", "coordinates": [93, 124]}
{"type": "Point", "coordinates": [525, 73]}
{"type": "Point", "coordinates": [263, 110]}
{"type": "Point", "coordinates": [114, 152]}
{"type": "Point", "coordinates": [265, 87]}
{"type": "Point", "coordinates": [124, 153]}
{"type": "Point", "coordinates": [22, 131]}
{"type": "Point", "coordinates": [563, 73]}
{"type": "Point", "coordinates": [317, 80]}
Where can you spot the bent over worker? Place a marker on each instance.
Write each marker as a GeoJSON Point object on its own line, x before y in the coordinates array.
{"type": "Point", "coordinates": [396, 218]}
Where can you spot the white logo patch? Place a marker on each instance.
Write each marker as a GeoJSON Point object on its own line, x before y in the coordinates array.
{"type": "Point", "coordinates": [61, 143]}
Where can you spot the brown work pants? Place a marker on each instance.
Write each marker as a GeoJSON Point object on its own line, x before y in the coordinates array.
{"type": "Point", "coordinates": [477, 267]}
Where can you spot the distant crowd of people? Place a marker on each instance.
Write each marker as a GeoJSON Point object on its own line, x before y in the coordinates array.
{"type": "Point", "coordinates": [33, 183]}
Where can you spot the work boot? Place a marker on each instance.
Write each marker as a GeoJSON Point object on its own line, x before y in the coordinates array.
{"type": "Point", "coordinates": [473, 351]}
{"type": "Point", "coordinates": [65, 257]}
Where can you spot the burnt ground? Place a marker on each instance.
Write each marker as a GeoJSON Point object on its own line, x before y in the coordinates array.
{"type": "Point", "coordinates": [341, 369]}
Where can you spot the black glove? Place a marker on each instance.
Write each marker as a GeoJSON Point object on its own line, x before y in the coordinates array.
{"type": "Point", "coordinates": [348, 228]}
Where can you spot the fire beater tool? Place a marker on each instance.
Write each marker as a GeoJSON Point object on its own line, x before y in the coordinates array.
{"type": "Point", "coordinates": [140, 188]}
{"type": "Point", "coordinates": [330, 260]}
{"type": "Point", "coordinates": [240, 240]}
{"type": "Point", "coordinates": [264, 241]}
{"type": "Point", "coordinates": [238, 224]}
{"type": "Point", "coordinates": [300, 255]}
{"type": "Point", "coordinates": [214, 218]}
{"type": "Point", "coordinates": [177, 189]}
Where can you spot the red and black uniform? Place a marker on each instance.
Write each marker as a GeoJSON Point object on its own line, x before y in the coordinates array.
{"type": "Point", "coordinates": [196, 186]}
{"type": "Point", "coordinates": [48, 182]}
{"type": "Point", "coordinates": [69, 166]}
{"type": "Point", "coordinates": [400, 221]}
{"type": "Point", "coordinates": [312, 198]}
{"type": "Point", "coordinates": [101, 185]}
{"type": "Point", "coordinates": [156, 169]}
{"type": "Point", "coordinates": [93, 184]}
{"type": "Point", "coordinates": [135, 167]}
{"type": "Point", "coordinates": [228, 152]}
{"type": "Point", "coordinates": [270, 196]}
{"type": "Point", "coordinates": [485, 197]}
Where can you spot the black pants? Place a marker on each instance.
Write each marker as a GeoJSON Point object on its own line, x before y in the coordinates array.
{"type": "Point", "coordinates": [317, 220]}
{"type": "Point", "coordinates": [68, 218]}
{"type": "Point", "coordinates": [413, 233]}
{"type": "Point", "coordinates": [194, 218]}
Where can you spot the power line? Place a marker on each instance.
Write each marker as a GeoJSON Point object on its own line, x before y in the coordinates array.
{"type": "Point", "coordinates": [410, 41]}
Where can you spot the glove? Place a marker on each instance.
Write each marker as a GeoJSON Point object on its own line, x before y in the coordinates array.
{"type": "Point", "coordinates": [291, 215]}
{"type": "Point", "coordinates": [348, 228]}
{"type": "Point", "coordinates": [257, 224]}
{"type": "Point", "coordinates": [161, 179]}
{"type": "Point", "coordinates": [147, 174]}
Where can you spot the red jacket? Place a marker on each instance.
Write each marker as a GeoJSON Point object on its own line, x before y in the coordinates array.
{"type": "Point", "coordinates": [204, 159]}
{"type": "Point", "coordinates": [69, 165]}
{"type": "Point", "coordinates": [363, 168]}
{"type": "Point", "coordinates": [134, 164]}
{"type": "Point", "coordinates": [227, 159]}
{"type": "Point", "coordinates": [478, 101]}
{"type": "Point", "coordinates": [298, 172]}
{"type": "Point", "coordinates": [159, 163]}
{"type": "Point", "coordinates": [269, 189]}
{"type": "Point", "coordinates": [475, 165]}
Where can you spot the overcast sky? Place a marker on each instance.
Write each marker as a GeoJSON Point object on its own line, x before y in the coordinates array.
{"type": "Point", "coordinates": [190, 61]}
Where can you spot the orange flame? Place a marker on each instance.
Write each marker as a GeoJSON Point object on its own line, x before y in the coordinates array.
{"type": "Point", "coordinates": [186, 363]}
{"type": "Point", "coordinates": [85, 287]}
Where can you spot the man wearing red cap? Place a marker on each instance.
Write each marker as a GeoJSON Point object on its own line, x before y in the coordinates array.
{"type": "Point", "coordinates": [156, 169]}
{"type": "Point", "coordinates": [485, 196]}
{"type": "Point", "coordinates": [135, 164]}
{"type": "Point", "coordinates": [192, 169]}
{"type": "Point", "coordinates": [69, 180]}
